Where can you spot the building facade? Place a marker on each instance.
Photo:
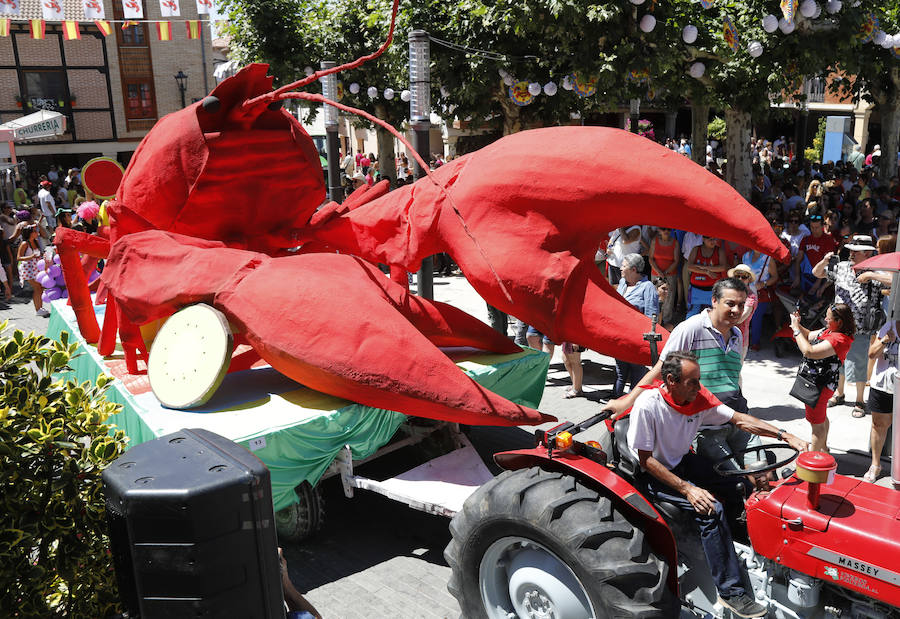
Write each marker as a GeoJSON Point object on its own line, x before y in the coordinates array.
{"type": "Point", "coordinates": [112, 89]}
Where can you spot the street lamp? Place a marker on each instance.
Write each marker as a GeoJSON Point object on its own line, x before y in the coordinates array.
{"type": "Point", "coordinates": [634, 109]}
{"type": "Point", "coordinates": [329, 91]}
{"type": "Point", "coordinates": [181, 78]}
{"type": "Point", "coordinates": [420, 120]}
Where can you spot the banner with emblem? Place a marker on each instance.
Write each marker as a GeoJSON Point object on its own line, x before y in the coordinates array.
{"type": "Point", "coordinates": [51, 10]}
{"type": "Point", "coordinates": [204, 7]}
{"type": "Point", "coordinates": [170, 8]}
{"type": "Point", "coordinates": [93, 9]}
{"type": "Point", "coordinates": [9, 7]}
{"type": "Point", "coordinates": [133, 9]}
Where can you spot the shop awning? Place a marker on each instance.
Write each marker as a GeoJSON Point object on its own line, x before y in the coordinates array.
{"type": "Point", "coordinates": [225, 70]}
{"type": "Point", "coordinates": [39, 125]}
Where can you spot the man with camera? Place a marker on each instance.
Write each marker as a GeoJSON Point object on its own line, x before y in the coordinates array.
{"type": "Point", "coordinates": [863, 294]}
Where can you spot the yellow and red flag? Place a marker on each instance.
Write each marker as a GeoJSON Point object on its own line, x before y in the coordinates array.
{"type": "Point", "coordinates": [103, 26]}
{"type": "Point", "coordinates": [4, 27]}
{"type": "Point", "coordinates": [730, 33]}
{"type": "Point", "coordinates": [70, 29]}
{"type": "Point", "coordinates": [128, 24]}
{"type": "Point", "coordinates": [164, 30]}
{"type": "Point", "coordinates": [193, 28]}
{"type": "Point", "coordinates": [38, 28]}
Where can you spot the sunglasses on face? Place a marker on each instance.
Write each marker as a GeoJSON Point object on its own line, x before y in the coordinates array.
{"type": "Point", "coordinates": [743, 276]}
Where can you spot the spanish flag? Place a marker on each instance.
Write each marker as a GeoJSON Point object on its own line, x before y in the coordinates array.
{"type": "Point", "coordinates": [38, 28]}
{"type": "Point", "coordinates": [70, 30]}
{"type": "Point", "coordinates": [164, 30]}
{"type": "Point", "coordinates": [193, 28]}
{"type": "Point", "coordinates": [103, 26]}
{"type": "Point", "coordinates": [128, 24]}
{"type": "Point", "coordinates": [4, 27]}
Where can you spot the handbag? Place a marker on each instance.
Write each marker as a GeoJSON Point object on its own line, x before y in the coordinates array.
{"type": "Point", "coordinates": [806, 388]}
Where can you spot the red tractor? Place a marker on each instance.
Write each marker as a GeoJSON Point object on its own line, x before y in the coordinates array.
{"type": "Point", "coordinates": [566, 533]}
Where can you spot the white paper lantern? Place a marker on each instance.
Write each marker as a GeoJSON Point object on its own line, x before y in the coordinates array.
{"type": "Point", "coordinates": [567, 83]}
{"type": "Point", "coordinates": [388, 93]}
{"type": "Point", "coordinates": [833, 6]}
{"type": "Point", "coordinates": [648, 23]}
{"type": "Point", "coordinates": [502, 72]}
{"type": "Point", "coordinates": [550, 89]}
{"type": "Point", "coordinates": [697, 70]}
{"type": "Point", "coordinates": [888, 42]}
{"type": "Point", "coordinates": [689, 34]}
{"type": "Point", "coordinates": [509, 80]}
{"type": "Point", "coordinates": [808, 8]}
{"type": "Point", "coordinates": [755, 49]}
{"type": "Point", "coordinates": [818, 12]}
{"type": "Point", "coordinates": [785, 26]}
{"type": "Point", "coordinates": [372, 92]}
{"type": "Point", "coordinates": [878, 37]}
{"type": "Point", "coordinates": [354, 88]}
{"type": "Point", "coordinates": [445, 92]}
{"type": "Point", "coordinates": [534, 89]}
{"type": "Point", "coordinates": [405, 95]}
{"type": "Point", "coordinates": [309, 71]}
{"type": "Point", "coordinates": [638, 2]}
{"type": "Point", "coordinates": [770, 23]}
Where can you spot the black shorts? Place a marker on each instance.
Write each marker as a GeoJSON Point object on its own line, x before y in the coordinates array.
{"type": "Point", "coordinates": [880, 401]}
{"type": "Point", "coordinates": [5, 252]}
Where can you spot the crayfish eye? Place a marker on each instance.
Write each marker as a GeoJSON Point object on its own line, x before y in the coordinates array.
{"type": "Point", "coordinates": [211, 104]}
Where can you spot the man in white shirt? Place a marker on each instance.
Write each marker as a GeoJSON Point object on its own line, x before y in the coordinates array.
{"type": "Point", "coordinates": [48, 205]}
{"type": "Point", "coordinates": [664, 422]}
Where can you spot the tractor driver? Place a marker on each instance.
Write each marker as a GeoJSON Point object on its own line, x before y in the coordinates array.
{"type": "Point", "coordinates": [664, 421]}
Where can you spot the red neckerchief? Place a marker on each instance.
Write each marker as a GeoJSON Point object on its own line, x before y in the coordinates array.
{"type": "Point", "coordinates": [704, 400]}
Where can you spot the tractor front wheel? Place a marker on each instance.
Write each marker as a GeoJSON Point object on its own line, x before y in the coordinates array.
{"type": "Point", "coordinates": [532, 543]}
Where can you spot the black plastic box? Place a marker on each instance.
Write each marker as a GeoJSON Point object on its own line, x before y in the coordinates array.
{"type": "Point", "coordinates": [192, 530]}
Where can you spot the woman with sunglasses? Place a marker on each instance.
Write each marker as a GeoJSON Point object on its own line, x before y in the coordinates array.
{"type": "Point", "coordinates": [823, 353]}
{"type": "Point", "coordinates": [28, 255]}
{"type": "Point", "coordinates": [765, 275]}
{"type": "Point", "coordinates": [664, 261]}
{"type": "Point", "coordinates": [884, 350]}
{"type": "Point", "coordinates": [744, 273]}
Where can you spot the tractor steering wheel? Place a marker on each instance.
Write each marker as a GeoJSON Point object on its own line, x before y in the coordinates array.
{"type": "Point", "coordinates": [758, 467]}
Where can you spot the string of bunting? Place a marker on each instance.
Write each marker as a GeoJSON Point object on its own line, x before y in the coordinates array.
{"type": "Point", "coordinates": [94, 11]}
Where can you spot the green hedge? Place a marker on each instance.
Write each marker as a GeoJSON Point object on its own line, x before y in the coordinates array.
{"type": "Point", "coordinates": [54, 444]}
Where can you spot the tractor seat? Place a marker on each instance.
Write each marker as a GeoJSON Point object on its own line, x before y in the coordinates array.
{"type": "Point", "coordinates": [629, 466]}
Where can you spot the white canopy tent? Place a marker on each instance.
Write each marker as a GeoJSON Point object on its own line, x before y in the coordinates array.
{"type": "Point", "coordinates": [39, 125]}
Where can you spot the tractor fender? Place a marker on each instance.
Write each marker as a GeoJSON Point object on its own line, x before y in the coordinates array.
{"type": "Point", "coordinates": [597, 476]}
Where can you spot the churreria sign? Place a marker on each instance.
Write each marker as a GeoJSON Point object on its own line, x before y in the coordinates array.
{"type": "Point", "coordinates": [43, 128]}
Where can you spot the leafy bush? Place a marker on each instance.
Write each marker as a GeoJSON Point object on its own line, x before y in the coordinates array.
{"type": "Point", "coordinates": [716, 129]}
{"type": "Point", "coordinates": [54, 443]}
{"type": "Point", "coordinates": [818, 142]}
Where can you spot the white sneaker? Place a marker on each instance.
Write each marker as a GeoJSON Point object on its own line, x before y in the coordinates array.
{"type": "Point", "coordinates": [43, 313]}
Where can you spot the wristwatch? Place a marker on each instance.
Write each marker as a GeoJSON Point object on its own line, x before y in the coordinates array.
{"type": "Point", "coordinates": [781, 432]}
{"type": "Point", "coordinates": [796, 332]}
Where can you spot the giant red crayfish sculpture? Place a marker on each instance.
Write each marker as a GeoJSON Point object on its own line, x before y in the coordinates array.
{"type": "Point", "coordinates": [218, 192]}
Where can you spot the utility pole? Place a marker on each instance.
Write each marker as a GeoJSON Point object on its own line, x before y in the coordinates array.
{"type": "Point", "coordinates": [332, 146]}
{"type": "Point", "coordinates": [420, 121]}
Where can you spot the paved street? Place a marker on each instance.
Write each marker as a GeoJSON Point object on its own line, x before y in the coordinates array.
{"type": "Point", "coordinates": [377, 558]}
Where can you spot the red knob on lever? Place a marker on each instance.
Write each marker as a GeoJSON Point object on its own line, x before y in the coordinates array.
{"type": "Point", "coordinates": [816, 468]}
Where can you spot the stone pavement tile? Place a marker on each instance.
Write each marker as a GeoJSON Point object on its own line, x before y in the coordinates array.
{"type": "Point", "coordinates": [19, 311]}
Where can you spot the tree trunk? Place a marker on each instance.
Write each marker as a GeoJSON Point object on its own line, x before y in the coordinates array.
{"type": "Point", "coordinates": [699, 126]}
{"type": "Point", "coordinates": [890, 130]}
{"type": "Point", "coordinates": [738, 170]}
{"type": "Point", "coordinates": [512, 117]}
{"type": "Point", "coordinates": [387, 158]}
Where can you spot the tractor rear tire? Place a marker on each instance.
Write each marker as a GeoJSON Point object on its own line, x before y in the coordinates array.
{"type": "Point", "coordinates": [536, 543]}
{"type": "Point", "coordinates": [303, 519]}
